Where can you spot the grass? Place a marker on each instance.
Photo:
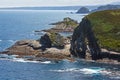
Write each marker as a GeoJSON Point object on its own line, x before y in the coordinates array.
{"type": "Point", "coordinates": [106, 26]}
{"type": "Point", "coordinates": [57, 39]}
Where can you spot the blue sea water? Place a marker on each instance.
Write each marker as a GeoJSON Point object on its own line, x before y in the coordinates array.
{"type": "Point", "coordinates": [16, 25]}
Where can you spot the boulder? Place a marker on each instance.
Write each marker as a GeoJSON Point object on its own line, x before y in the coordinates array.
{"type": "Point", "coordinates": [24, 47]}
{"type": "Point", "coordinates": [52, 39]}
{"type": "Point", "coordinates": [45, 41]}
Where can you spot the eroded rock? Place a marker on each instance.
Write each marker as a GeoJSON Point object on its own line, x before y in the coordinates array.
{"type": "Point", "coordinates": [79, 44]}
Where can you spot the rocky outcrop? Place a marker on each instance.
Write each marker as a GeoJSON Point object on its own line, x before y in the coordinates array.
{"type": "Point", "coordinates": [83, 36]}
{"type": "Point", "coordinates": [49, 46]}
{"type": "Point", "coordinates": [52, 39]}
{"type": "Point", "coordinates": [67, 25]}
{"type": "Point", "coordinates": [83, 10]}
{"type": "Point", "coordinates": [97, 31]}
{"type": "Point", "coordinates": [24, 47]}
{"type": "Point", "coordinates": [45, 41]}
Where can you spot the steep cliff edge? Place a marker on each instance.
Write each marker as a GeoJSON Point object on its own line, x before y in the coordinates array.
{"type": "Point", "coordinates": [97, 30]}
{"type": "Point", "coordinates": [83, 35]}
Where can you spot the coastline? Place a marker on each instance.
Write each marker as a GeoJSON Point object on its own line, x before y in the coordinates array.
{"type": "Point", "coordinates": [56, 57]}
{"type": "Point", "coordinates": [53, 46]}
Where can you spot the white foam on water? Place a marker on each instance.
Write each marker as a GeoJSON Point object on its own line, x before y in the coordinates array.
{"type": "Point", "coordinates": [23, 60]}
{"type": "Point", "coordinates": [12, 41]}
{"type": "Point", "coordinates": [13, 58]}
{"type": "Point", "coordinates": [116, 77]}
{"type": "Point", "coordinates": [29, 61]}
{"type": "Point", "coordinates": [83, 70]}
{"type": "Point", "coordinates": [67, 70]}
{"type": "Point", "coordinates": [91, 71]}
{"type": "Point", "coordinates": [46, 62]}
{"type": "Point", "coordinates": [105, 72]}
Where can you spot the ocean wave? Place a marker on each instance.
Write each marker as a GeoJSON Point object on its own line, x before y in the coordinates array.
{"type": "Point", "coordinates": [66, 70]}
{"type": "Point", "coordinates": [13, 58]}
{"type": "Point", "coordinates": [30, 61]}
{"type": "Point", "coordinates": [115, 78]}
{"type": "Point", "coordinates": [12, 41]}
{"type": "Point", "coordinates": [46, 62]}
{"type": "Point", "coordinates": [7, 56]}
{"type": "Point", "coordinates": [83, 70]}
{"type": "Point", "coordinates": [91, 70]}
{"type": "Point", "coordinates": [23, 60]}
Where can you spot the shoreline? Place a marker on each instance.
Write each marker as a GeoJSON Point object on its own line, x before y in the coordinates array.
{"type": "Point", "coordinates": [57, 58]}
{"type": "Point", "coordinates": [69, 59]}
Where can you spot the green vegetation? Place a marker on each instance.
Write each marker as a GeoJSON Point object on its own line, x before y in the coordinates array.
{"type": "Point", "coordinates": [57, 39]}
{"type": "Point", "coordinates": [66, 23]}
{"type": "Point", "coordinates": [106, 26]}
{"type": "Point", "coordinates": [70, 23]}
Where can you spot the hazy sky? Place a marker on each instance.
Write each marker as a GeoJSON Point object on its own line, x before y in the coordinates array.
{"type": "Point", "coordinates": [12, 3]}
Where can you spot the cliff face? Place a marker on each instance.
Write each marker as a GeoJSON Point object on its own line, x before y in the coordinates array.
{"type": "Point", "coordinates": [83, 36]}
{"type": "Point", "coordinates": [100, 27]}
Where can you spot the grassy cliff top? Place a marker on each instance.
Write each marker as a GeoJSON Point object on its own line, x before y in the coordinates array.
{"type": "Point", "coordinates": [106, 26]}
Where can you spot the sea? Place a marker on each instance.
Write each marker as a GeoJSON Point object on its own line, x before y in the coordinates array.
{"type": "Point", "coordinates": [21, 24]}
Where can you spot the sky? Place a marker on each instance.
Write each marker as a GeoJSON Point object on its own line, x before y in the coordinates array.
{"type": "Point", "coordinates": [25, 3]}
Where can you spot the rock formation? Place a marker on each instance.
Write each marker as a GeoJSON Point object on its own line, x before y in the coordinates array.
{"type": "Point", "coordinates": [98, 30]}
{"type": "Point", "coordinates": [67, 25]}
{"type": "Point", "coordinates": [52, 39]}
{"type": "Point", "coordinates": [83, 10]}
{"type": "Point", "coordinates": [50, 46]}
{"type": "Point", "coordinates": [24, 47]}
{"type": "Point", "coordinates": [78, 43]}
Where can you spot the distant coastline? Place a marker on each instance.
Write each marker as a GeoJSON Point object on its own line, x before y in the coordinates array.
{"type": "Point", "coordinates": [49, 8]}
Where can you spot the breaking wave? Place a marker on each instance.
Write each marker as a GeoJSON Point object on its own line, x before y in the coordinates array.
{"type": "Point", "coordinates": [84, 70]}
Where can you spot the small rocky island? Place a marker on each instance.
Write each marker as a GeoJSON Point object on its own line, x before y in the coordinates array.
{"type": "Point", "coordinates": [67, 25]}
{"type": "Point", "coordinates": [83, 10]}
{"type": "Point", "coordinates": [96, 38]}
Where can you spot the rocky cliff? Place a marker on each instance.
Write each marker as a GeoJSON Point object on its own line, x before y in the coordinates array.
{"type": "Point", "coordinates": [83, 35]}
{"type": "Point", "coordinates": [97, 30]}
